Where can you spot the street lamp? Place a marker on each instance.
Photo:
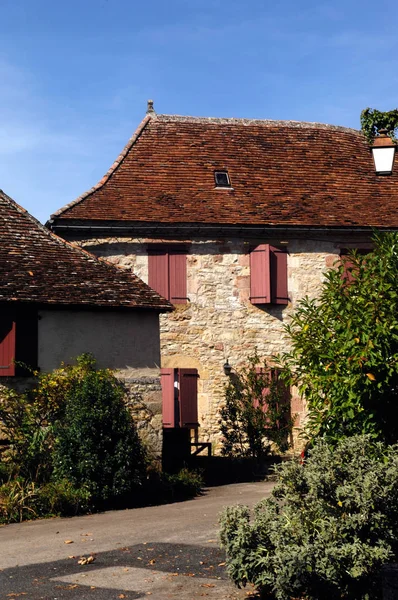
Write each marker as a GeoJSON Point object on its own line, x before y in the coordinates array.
{"type": "Point", "coordinates": [227, 368]}
{"type": "Point", "coordinates": [383, 151]}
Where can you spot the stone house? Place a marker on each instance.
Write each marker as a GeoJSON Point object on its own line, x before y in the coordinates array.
{"type": "Point", "coordinates": [234, 221]}
{"type": "Point", "coordinates": [57, 302]}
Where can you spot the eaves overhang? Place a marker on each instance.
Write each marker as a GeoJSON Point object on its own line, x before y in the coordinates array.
{"type": "Point", "coordinates": [78, 229]}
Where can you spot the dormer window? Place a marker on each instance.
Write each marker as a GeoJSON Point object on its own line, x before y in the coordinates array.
{"type": "Point", "coordinates": [222, 179]}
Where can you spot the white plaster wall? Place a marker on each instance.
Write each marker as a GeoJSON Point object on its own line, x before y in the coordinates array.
{"type": "Point", "coordinates": [125, 341]}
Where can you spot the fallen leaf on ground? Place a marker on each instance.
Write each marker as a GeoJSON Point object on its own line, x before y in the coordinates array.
{"type": "Point", "coordinates": [211, 541]}
{"type": "Point", "coordinates": [121, 596]}
{"type": "Point", "coordinates": [66, 587]}
{"type": "Point", "coordinates": [71, 556]}
{"type": "Point", "coordinates": [14, 595]}
{"type": "Point", "coordinates": [68, 542]}
{"type": "Point", "coordinates": [207, 585]}
{"type": "Point", "coordinates": [86, 560]}
{"type": "Point", "coordinates": [222, 564]}
{"type": "Point", "coordinates": [152, 561]}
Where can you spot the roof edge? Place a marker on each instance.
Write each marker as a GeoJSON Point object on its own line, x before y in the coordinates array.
{"type": "Point", "coordinates": [110, 171]}
{"type": "Point", "coordinates": [247, 122]}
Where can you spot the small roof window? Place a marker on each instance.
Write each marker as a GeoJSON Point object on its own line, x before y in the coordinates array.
{"type": "Point", "coordinates": [222, 179]}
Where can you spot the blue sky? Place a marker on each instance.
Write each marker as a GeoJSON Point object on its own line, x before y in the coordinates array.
{"type": "Point", "coordinates": [75, 75]}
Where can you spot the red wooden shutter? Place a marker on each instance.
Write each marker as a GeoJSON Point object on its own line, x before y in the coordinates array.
{"type": "Point", "coordinates": [168, 402]}
{"type": "Point", "coordinates": [178, 278]}
{"type": "Point", "coordinates": [347, 275]}
{"type": "Point", "coordinates": [260, 280]}
{"type": "Point", "coordinates": [349, 267]}
{"type": "Point", "coordinates": [278, 268]}
{"type": "Point", "coordinates": [7, 345]}
{"type": "Point", "coordinates": [188, 379]}
{"type": "Point", "coordinates": [265, 392]}
{"type": "Point", "coordinates": [158, 272]}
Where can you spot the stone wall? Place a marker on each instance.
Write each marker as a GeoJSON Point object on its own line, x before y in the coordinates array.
{"type": "Point", "coordinates": [219, 321]}
{"type": "Point", "coordinates": [144, 399]}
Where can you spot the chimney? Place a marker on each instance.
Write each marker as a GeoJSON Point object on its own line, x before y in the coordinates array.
{"type": "Point", "coordinates": [150, 110]}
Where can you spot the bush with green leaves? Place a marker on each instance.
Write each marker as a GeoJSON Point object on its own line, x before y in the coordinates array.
{"type": "Point", "coordinates": [344, 356]}
{"type": "Point", "coordinates": [71, 429]}
{"type": "Point", "coordinates": [96, 445]}
{"type": "Point", "coordinates": [22, 500]}
{"type": "Point", "coordinates": [27, 420]}
{"type": "Point", "coordinates": [256, 413]}
{"type": "Point", "coordinates": [327, 529]}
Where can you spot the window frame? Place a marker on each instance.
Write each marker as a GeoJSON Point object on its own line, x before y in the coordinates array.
{"type": "Point", "coordinates": [221, 186]}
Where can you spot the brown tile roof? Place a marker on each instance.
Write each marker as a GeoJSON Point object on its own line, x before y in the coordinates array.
{"type": "Point", "coordinates": [282, 173]}
{"type": "Point", "coordinates": [38, 266]}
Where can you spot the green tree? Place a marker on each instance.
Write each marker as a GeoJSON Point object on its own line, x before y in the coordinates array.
{"type": "Point", "coordinates": [344, 356]}
{"type": "Point", "coordinates": [256, 413]}
{"type": "Point", "coordinates": [373, 120]}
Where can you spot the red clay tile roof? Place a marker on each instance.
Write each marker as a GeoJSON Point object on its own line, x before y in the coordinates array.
{"type": "Point", "coordinates": [282, 173]}
{"type": "Point", "coordinates": [38, 266]}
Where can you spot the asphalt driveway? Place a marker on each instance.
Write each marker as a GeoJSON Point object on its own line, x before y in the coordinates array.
{"type": "Point", "coordinates": [162, 552]}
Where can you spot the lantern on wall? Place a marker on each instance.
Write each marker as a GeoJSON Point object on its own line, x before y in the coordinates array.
{"type": "Point", "coordinates": [383, 151]}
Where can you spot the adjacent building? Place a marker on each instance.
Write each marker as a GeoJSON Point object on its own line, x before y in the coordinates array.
{"type": "Point", "coordinates": [57, 302]}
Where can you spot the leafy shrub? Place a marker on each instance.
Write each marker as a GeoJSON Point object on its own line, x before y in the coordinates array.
{"type": "Point", "coordinates": [96, 445]}
{"type": "Point", "coordinates": [28, 434]}
{"type": "Point", "coordinates": [5, 471]}
{"type": "Point", "coordinates": [17, 500]}
{"type": "Point", "coordinates": [27, 420]}
{"type": "Point", "coordinates": [61, 498]}
{"type": "Point", "coordinates": [185, 483]}
{"type": "Point", "coordinates": [327, 529]}
{"type": "Point", "coordinates": [22, 500]}
{"type": "Point", "coordinates": [256, 413]}
{"type": "Point", "coordinates": [162, 488]}
{"type": "Point", "coordinates": [344, 356]}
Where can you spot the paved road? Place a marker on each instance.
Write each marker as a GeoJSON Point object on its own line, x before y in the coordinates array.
{"type": "Point", "coordinates": [160, 552]}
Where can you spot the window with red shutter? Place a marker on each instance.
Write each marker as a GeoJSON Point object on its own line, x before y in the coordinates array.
{"type": "Point", "coordinates": [273, 378]}
{"type": "Point", "coordinates": [167, 273]}
{"type": "Point", "coordinates": [168, 398]}
{"type": "Point", "coordinates": [262, 400]}
{"type": "Point", "coordinates": [7, 344]}
{"type": "Point", "coordinates": [180, 398]}
{"type": "Point", "coordinates": [158, 272]}
{"type": "Point", "coordinates": [18, 341]}
{"type": "Point", "coordinates": [278, 269]}
{"type": "Point", "coordinates": [348, 265]}
{"type": "Point", "coordinates": [178, 278]}
{"type": "Point", "coordinates": [268, 275]}
{"type": "Point", "coordinates": [188, 397]}
{"type": "Point", "coordinates": [260, 276]}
